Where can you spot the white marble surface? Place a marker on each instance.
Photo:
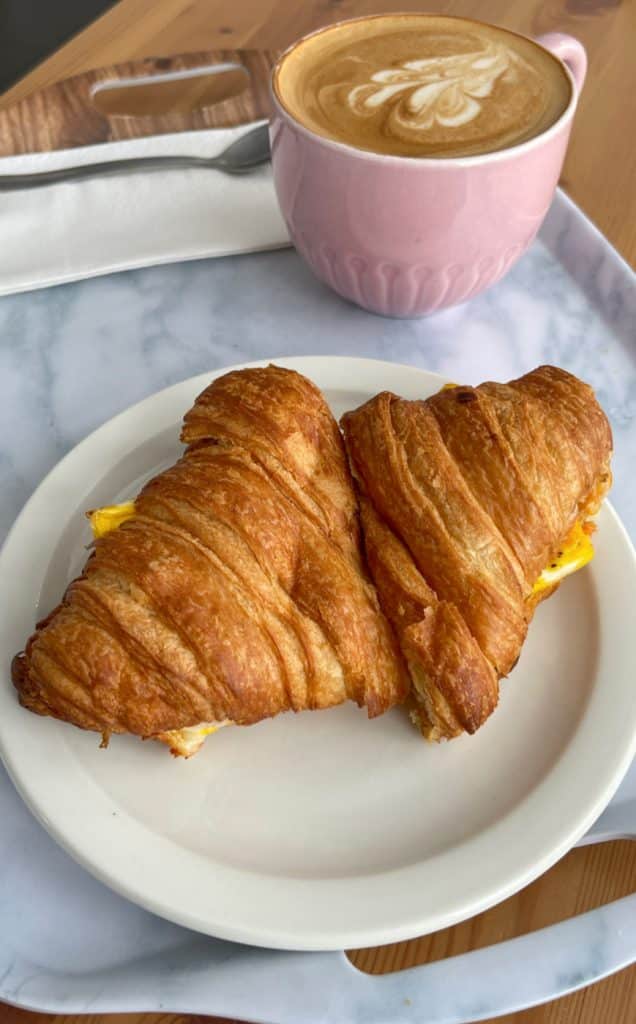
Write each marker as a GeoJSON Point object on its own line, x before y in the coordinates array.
{"type": "Point", "coordinates": [73, 356]}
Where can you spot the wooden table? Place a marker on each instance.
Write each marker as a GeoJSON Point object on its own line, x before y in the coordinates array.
{"type": "Point", "coordinates": [600, 175]}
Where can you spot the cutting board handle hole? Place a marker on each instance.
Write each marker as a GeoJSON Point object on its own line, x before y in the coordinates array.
{"type": "Point", "coordinates": [170, 92]}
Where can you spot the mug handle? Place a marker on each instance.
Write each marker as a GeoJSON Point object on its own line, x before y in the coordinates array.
{"type": "Point", "coordinates": [570, 51]}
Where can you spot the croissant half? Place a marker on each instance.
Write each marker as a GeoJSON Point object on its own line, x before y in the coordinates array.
{"type": "Point", "coordinates": [235, 591]}
{"type": "Point", "coordinates": [465, 498]}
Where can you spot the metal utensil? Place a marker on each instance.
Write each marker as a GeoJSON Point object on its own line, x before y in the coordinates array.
{"type": "Point", "coordinates": [240, 157]}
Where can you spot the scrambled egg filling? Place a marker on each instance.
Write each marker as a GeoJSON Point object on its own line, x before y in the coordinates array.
{"type": "Point", "coordinates": [109, 517]}
{"type": "Point", "coordinates": [576, 552]}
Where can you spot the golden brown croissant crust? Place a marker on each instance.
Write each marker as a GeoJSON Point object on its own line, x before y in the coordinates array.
{"type": "Point", "coordinates": [466, 497]}
{"type": "Point", "coordinates": [236, 591]}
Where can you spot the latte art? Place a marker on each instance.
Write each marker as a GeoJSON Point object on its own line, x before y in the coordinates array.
{"type": "Point", "coordinates": [422, 85]}
{"type": "Point", "coordinates": [435, 90]}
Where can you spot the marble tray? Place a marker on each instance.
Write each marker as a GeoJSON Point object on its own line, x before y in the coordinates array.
{"type": "Point", "coordinates": [73, 356]}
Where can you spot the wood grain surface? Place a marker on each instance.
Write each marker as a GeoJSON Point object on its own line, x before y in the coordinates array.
{"type": "Point", "coordinates": [150, 96]}
{"type": "Point", "coordinates": [600, 175]}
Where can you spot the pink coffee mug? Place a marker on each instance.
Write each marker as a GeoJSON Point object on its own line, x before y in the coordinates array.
{"type": "Point", "coordinates": [404, 236]}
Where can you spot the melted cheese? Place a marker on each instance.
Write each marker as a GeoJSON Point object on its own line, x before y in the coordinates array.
{"type": "Point", "coordinates": [575, 553]}
{"type": "Point", "coordinates": [109, 517]}
{"type": "Point", "coordinates": [185, 742]}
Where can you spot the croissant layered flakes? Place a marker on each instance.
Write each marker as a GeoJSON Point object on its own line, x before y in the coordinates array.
{"type": "Point", "coordinates": [232, 589]}
{"type": "Point", "coordinates": [474, 505]}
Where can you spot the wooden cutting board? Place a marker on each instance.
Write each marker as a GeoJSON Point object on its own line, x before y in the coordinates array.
{"type": "Point", "coordinates": [157, 95]}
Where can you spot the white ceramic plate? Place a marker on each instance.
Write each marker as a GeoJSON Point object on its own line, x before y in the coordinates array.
{"type": "Point", "coordinates": [321, 831]}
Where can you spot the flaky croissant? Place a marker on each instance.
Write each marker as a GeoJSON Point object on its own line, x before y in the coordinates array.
{"type": "Point", "coordinates": [236, 590]}
{"type": "Point", "coordinates": [466, 498]}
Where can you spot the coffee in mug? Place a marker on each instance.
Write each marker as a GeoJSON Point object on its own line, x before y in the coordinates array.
{"type": "Point", "coordinates": [423, 86]}
{"type": "Point", "coordinates": [415, 156]}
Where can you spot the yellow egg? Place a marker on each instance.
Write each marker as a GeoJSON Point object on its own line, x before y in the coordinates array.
{"type": "Point", "coordinates": [109, 517]}
{"type": "Point", "coordinates": [576, 552]}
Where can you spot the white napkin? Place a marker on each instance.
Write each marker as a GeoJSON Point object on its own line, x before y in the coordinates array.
{"type": "Point", "coordinates": [81, 229]}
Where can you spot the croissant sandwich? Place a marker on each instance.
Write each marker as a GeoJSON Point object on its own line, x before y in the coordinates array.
{"type": "Point", "coordinates": [474, 505]}
{"type": "Point", "coordinates": [232, 589]}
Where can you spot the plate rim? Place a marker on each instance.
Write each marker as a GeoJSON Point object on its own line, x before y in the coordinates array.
{"type": "Point", "coordinates": [362, 932]}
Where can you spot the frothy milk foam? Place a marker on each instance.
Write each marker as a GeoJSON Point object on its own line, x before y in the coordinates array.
{"type": "Point", "coordinates": [422, 85]}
